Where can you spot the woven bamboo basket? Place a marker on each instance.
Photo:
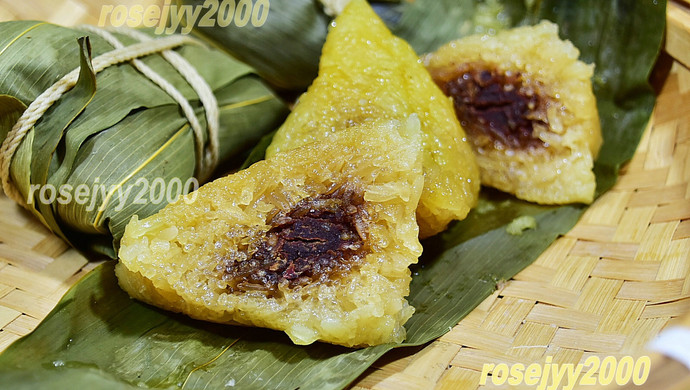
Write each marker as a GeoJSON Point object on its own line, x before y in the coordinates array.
{"type": "Point", "coordinates": [606, 288]}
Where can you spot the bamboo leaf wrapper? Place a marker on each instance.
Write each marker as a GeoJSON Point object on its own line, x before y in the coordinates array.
{"type": "Point", "coordinates": [117, 132]}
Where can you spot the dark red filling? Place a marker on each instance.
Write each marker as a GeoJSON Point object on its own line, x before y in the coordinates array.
{"type": "Point", "coordinates": [320, 238]}
{"type": "Point", "coordinates": [496, 105]}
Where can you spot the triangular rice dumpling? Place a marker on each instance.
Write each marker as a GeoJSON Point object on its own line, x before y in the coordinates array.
{"type": "Point", "coordinates": [527, 103]}
{"type": "Point", "coordinates": [366, 73]}
{"type": "Point", "coordinates": [315, 242]}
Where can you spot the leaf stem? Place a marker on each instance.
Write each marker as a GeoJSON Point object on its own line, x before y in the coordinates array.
{"type": "Point", "coordinates": [207, 363]}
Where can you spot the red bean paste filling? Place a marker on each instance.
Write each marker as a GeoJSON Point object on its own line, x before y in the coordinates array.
{"type": "Point", "coordinates": [497, 105]}
{"type": "Point", "coordinates": [319, 240]}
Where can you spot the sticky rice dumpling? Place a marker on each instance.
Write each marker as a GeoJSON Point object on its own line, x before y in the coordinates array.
{"type": "Point", "coordinates": [315, 242]}
{"type": "Point", "coordinates": [527, 105]}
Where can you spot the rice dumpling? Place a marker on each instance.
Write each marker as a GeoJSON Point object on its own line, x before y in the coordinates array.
{"type": "Point", "coordinates": [527, 104]}
{"type": "Point", "coordinates": [316, 247]}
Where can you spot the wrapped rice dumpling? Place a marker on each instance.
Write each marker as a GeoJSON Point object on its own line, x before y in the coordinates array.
{"type": "Point", "coordinates": [315, 242]}
{"type": "Point", "coordinates": [366, 74]}
{"type": "Point", "coordinates": [119, 141]}
{"type": "Point", "coordinates": [527, 104]}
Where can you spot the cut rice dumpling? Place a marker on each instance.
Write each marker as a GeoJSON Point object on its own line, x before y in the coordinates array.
{"type": "Point", "coordinates": [316, 247]}
{"type": "Point", "coordinates": [527, 105]}
{"type": "Point", "coordinates": [366, 74]}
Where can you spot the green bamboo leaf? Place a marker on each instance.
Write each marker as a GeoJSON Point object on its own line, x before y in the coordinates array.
{"type": "Point", "coordinates": [285, 49]}
{"type": "Point", "coordinates": [154, 137]}
{"type": "Point", "coordinates": [14, 32]}
{"type": "Point", "coordinates": [46, 140]}
{"type": "Point", "coordinates": [11, 109]}
{"type": "Point", "coordinates": [100, 338]}
{"type": "Point", "coordinates": [452, 19]}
